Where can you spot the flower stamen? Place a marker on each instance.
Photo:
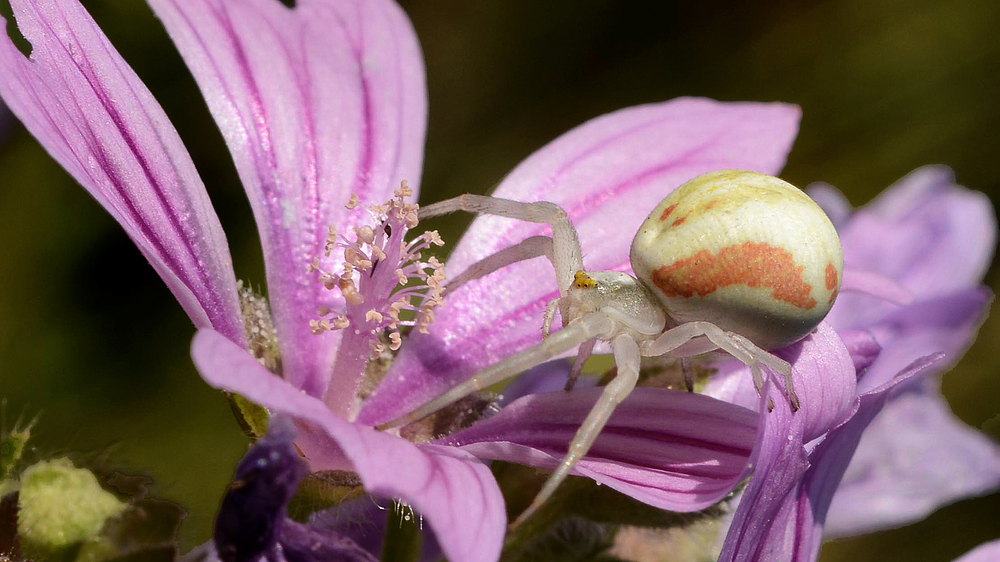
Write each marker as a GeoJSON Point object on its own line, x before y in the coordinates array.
{"type": "Point", "coordinates": [385, 282]}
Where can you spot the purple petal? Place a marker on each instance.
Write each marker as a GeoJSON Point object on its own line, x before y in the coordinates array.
{"type": "Point", "coordinates": [607, 173]}
{"type": "Point", "coordinates": [785, 503]}
{"type": "Point", "coordinates": [365, 520]}
{"type": "Point", "coordinates": [832, 201]}
{"type": "Point", "coordinates": [933, 237]}
{"type": "Point", "coordinates": [862, 346]}
{"type": "Point", "coordinates": [946, 324]}
{"type": "Point", "coordinates": [671, 449]}
{"type": "Point", "coordinates": [547, 377]}
{"type": "Point", "coordinates": [455, 492]}
{"type": "Point", "coordinates": [915, 457]}
{"type": "Point", "coordinates": [823, 371]}
{"type": "Point", "coordinates": [825, 380]}
{"type": "Point", "coordinates": [315, 103]}
{"type": "Point", "coordinates": [986, 552]}
{"type": "Point", "coordinates": [876, 285]}
{"type": "Point", "coordinates": [758, 530]}
{"type": "Point", "coordinates": [91, 112]}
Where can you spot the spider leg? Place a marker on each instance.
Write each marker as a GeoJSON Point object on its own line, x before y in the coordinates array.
{"type": "Point", "coordinates": [776, 364]}
{"type": "Point", "coordinates": [586, 348]}
{"type": "Point", "coordinates": [734, 344]}
{"type": "Point", "coordinates": [550, 316]}
{"type": "Point", "coordinates": [588, 327]}
{"type": "Point", "coordinates": [567, 258]}
{"type": "Point", "coordinates": [686, 370]}
{"type": "Point", "coordinates": [526, 249]}
{"type": "Point", "coordinates": [627, 358]}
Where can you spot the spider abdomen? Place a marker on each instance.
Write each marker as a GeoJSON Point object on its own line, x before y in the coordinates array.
{"type": "Point", "coordinates": [747, 252]}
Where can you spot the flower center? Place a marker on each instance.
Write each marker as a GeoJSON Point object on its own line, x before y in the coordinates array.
{"type": "Point", "coordinates": [385, 282]}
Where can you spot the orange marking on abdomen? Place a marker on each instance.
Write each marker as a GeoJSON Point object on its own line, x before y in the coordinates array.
{"type": "Point", "coordinates": [667, 211]}
{"type": "Point", "coordinates": [831, 277]}
{"type": "Point", "coordinates": [751, 264]}
{"type": "Point", "coordinates": [679, 221]}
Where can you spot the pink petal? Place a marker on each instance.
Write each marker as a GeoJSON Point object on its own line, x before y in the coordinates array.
{"type": "Point", "coordinates": [454, 492]}
{"type": "Point", "coordinates": [315, 103]}
{"type": "Point", "coordinates": [670, 449]}
{"type": "Point", "coordinates": [91, 112]}
{"type": "Point", "coordinates": [607, 173]}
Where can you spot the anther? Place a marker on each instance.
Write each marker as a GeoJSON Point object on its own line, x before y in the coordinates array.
{"type": "Point", "coordinates": [365, 234]}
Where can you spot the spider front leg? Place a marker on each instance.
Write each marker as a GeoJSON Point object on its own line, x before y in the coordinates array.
{"type": "Point", "coordinates": [567, 258]}
{"type": "Point", "coordinates": [734, 344]}
{"type": "Point", "coordinates": [627, 359]}
{"type": "Point", "coordinates": [591, 326]}
{"type": "Point", "coordinates": [531, 247]}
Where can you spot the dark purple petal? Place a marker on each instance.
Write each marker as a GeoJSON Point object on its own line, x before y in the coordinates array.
{"type": "Point", "coordinates": [91, 112]}
{"type": "Point", "coordinates": [608, 174]}
{"type": "Point", "coordinates": [305, 543]}
{"type": "Point", "coordinates": [671, 449]}
{"type": "Point", "coordinates": [825, 380]}
{"type": "Point", "coordinates": [315, 103]}
{"type": "Point", "coordinates": [914, 458]}
{"type": "Point", "coordinates": [454, 492]}
{"type": "Point", "coordinates": [254, 508]}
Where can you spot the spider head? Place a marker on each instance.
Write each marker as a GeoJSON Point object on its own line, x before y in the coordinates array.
{"type": "Point", "coordinates": [620, 296]}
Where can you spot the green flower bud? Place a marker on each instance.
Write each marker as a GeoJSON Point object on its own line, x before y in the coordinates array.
{"type": "Point", "coordinates": [61, 506]}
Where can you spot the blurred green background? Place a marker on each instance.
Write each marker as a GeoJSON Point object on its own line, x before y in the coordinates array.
{"type": "Point", "coordinates": [92, 341]}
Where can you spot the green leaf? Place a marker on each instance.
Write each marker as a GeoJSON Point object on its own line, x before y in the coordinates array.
{"type": "Point", "coordinates": [12, 447]}
{"type": "Point", "coordinates": [251, 417]}
{"type": "Point", "coordinates": [323, 490]}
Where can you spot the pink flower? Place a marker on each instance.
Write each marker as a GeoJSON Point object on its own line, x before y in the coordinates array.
{"type": "Point", "coordinates": [327, 100]}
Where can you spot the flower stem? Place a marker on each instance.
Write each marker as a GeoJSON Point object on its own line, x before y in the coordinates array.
{"type": "Point", "coordinates": [402, 535]}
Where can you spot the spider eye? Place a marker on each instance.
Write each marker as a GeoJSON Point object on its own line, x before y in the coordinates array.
{"type": "Point", "coordinates": [583, 281]}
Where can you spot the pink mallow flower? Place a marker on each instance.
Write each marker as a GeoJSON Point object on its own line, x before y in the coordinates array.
{"type": "Point", "coordinates": [326, 101]}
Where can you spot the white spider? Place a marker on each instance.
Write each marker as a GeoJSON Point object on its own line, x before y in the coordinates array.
{"type": "Point", "coordinates": [731, 260]}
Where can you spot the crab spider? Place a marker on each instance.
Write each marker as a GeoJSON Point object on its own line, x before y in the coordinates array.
{"type": "Point", "coordinates": [734, 261]}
